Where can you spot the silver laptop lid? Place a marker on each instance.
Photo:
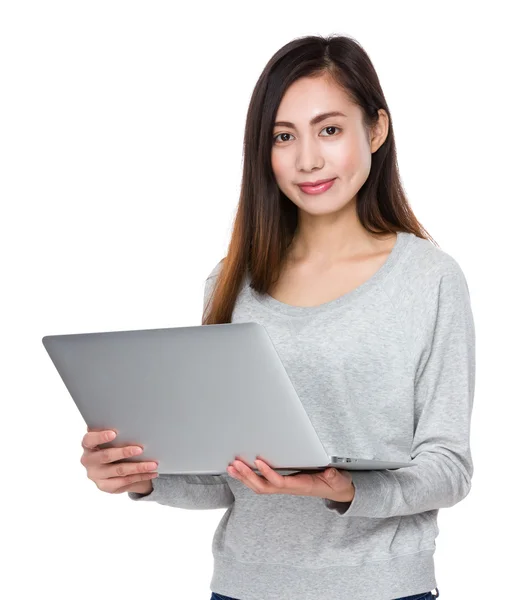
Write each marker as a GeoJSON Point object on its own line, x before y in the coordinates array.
{"type": "Point", "coordinates": [194, 397]}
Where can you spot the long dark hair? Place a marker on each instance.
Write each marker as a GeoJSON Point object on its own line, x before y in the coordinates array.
{"type": "Point", "coordinates": [266, 219]}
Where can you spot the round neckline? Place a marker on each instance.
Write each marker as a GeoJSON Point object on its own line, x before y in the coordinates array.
{"type": "Point", "coordinates": [277, 305]}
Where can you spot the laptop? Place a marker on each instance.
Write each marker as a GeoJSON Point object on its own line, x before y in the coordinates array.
{"type": "Point", "coordinates": [195, 398]}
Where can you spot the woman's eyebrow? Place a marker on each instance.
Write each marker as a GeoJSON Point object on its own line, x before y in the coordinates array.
{"type": "Point", "coordinates": [314, 120]}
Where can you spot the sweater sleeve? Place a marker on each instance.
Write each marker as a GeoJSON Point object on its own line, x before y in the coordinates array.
{"type": "Point", "coordinates": [444, 386]}
{"type": "Point", "coordinates": [196, 492]}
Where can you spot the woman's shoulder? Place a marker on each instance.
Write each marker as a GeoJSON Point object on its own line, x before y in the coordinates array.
{"type": "Point", "coordinates": [429, 291]}
{"type": "Point", "coordinates": [426, 260]}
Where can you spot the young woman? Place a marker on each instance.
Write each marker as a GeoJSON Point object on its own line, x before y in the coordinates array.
{"type": "Point", "coordinates": [373, 323]}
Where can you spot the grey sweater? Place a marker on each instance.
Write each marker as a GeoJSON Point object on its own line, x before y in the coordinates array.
{"type": "Point", "coordinates": [386, 371]}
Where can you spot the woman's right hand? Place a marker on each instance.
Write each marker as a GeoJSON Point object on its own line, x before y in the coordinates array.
{"type": "Point", "coordinates": [108, 473]}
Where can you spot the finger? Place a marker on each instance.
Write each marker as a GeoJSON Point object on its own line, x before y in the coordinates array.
{"type": "Point", "coordinates": [124, 469]}
{"type": "Point", "coordinates": [258, 484]}
{"type": "Point", "coordinates": [270, 474]}
{"type": "Point", "coordinates": [121, 471]}
{"type": "Point", "coordinates": [244, 480]}
{"type": "Point", "coordinates": [91, 440]}
{"type": "Point", "coordinates": [297, 483]}
{"type": "Point", "coordinates": [109, 455]}
{"type": "Point", "coordinates": [114, 484]}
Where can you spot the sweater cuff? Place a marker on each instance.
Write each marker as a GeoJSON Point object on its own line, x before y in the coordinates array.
{"type": "Point", "coordinates": [371, 489]}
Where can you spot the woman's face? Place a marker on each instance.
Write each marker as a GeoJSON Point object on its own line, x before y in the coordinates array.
{"type": "Point", "coordinates": [335, 147]}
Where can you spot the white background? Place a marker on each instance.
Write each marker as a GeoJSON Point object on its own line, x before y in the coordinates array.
{"type": "Point", "coordinates": [121, 155]}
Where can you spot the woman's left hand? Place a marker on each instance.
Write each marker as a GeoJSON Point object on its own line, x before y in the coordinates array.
{"type": "Point", "coordinates": [332, 484]}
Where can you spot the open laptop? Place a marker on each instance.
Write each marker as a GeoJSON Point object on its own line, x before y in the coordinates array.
{"type": "Point", "coordinates": [195, 398]}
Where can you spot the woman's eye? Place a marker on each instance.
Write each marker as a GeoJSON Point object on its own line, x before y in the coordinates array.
{"type": "Point", "coordinates": [328, 127]}
{"type": "Point", "coordinates": [278, 135]}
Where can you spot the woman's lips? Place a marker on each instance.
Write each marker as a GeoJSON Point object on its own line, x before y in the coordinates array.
{"type": "Point", "coordinates": [317, 189]}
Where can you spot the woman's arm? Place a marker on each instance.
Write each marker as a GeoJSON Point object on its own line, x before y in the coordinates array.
{"type": "Point", "coordinates": [443, 401]}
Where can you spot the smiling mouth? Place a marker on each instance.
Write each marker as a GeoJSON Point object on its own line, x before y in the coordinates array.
{"type": "Point", "coordinates": [317, 189]}
{"type": "Point", "coordinates": [316, 183]}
